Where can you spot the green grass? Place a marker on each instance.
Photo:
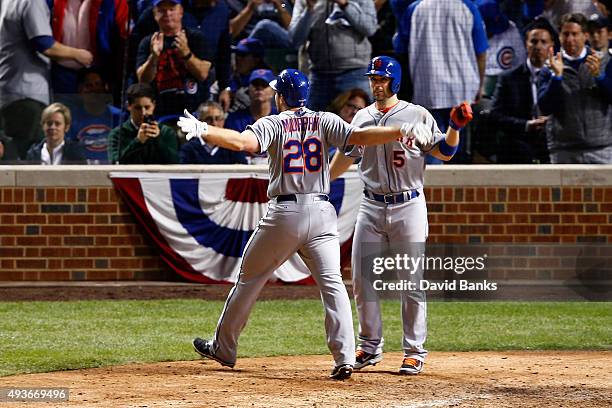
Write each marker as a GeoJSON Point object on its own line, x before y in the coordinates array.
{"type": "Point", "coordinates": [49, 336]}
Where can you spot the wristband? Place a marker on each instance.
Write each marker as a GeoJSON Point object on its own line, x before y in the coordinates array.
{"type": "Point", "coordinates": [446, 149]}
{"type": "Point", "coordinates": [455, 126]}
{"type": "Point", "coordinates": [188, 56]}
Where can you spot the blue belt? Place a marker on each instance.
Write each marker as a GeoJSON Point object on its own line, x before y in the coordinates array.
{"type": "Point", "coordinates": [292, 197]}
{"type": "Point", "coordinates": [392, 198]}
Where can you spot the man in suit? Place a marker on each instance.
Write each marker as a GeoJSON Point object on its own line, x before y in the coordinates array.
{"type": "Point", "coordinates": [515, 110]}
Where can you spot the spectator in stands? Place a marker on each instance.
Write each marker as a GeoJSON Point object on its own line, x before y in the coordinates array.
{"type": "Point", "coordinates": [265, 20]}
{"type": "Point", "coordinates": [553, 10]}
{"type": "Point", "coordinates": [8, 152]}
{"type": "Point", "coordinates": [195, 151]}
{"type": "Point", "coordinates": [599, 33]}
{"type": "Point", "coordinates": [211, 17]}
{"type": "Point", "coordinates": [348, 103]}
{"type": "Point", "coordinates": [261, 104]}
{"type": "Point", "coordinates": [93, 116]}
{"type": "Point", "coordinates": [515, 111]}
{"type": "Point", "coordinates": [576, 94]}
{"type": "Point", "coordinates": [444, 41]}
{"type": "Point", "coordinates": [173, 60]}
{"type": "Point", "coordinates": [54, 149]}
{"type": "Point", "coordinates": [506, 48]}
{"type": "Point", "coordinates": [26, 44]}
{"type": "Point", "coordinates": [98, 26]}
{"type": "Point", "coordinates": [336, 33]}
{"type": "Point", "coordinates": [140, 140]}
{"type": "Point", "coordinates": [249, 55]}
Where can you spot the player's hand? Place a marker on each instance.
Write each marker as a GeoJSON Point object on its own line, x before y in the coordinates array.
{"type": "Point", "coordinates": [461, 115]}
{"type": "Point", "coordinates": [556, 62]}
{"type": "Point", "coordinates": [181, 44]}
{"type": "Point", "coordinates": [593, 63]}
{"type": "Point", "coordinates": [147, 131]}
{"type": "Point", "coordinates": [191, 126]}
{"type": "Point", "coordinates": [157, 44]}
{"type": "Point", "coordinates": [420, 132]}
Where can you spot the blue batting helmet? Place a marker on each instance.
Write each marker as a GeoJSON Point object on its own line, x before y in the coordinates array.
{"type": "Point", "coordinates": [293, 85]}
{"type": "Point", "coordinates": [387, 67]}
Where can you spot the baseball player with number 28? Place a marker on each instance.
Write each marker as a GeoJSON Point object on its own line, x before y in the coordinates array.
{"type": "Point", "coordinates": [393, 209]}
{"type": "Point", "coordinates": [300, 217]}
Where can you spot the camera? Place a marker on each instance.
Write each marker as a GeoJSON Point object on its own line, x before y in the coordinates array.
{"type": "Point", "coordinates": [148, 119]}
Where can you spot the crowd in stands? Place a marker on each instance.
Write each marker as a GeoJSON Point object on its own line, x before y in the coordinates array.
{"type": "Point", "coordinates": [104, 81]}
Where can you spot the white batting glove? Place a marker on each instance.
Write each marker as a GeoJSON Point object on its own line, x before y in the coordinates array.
{"type": "Point", "coordinates": [191, 126]}
{"type": "Point", "coordinates": [420, 132]}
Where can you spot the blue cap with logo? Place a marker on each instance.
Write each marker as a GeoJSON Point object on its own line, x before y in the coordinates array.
{"type": "Point", "coordinates": [262, 74]}
{"type": "Point", "coordinates": [249, 46]}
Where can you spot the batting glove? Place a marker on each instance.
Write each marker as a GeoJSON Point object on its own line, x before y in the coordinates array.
{"type": "Point", "coordinates": [460, 116]}
{"type": "Point", "coordinates": [191, 126]}
{"type": "Point", "coordinates": [420, 132]}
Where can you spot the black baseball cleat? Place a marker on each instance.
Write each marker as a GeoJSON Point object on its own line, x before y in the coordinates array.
{"type": "Point", "coordinates": [207, 348]}
{"type": "Point", "coordinates": [411, 366]}
{"type": "Point", "coordinates": [363, 359]}
{"type": "Point", "coordinates": [341, 372]}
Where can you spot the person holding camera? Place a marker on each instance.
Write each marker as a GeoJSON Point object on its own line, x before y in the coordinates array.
{"type": "Point", "coordinates": [174, 60]}
{"type": "Point", "coordinates": [140, 139]}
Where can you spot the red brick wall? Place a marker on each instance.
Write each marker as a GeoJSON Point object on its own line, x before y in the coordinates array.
{"type": "Point", "coordinates": [87, 233]}
{"type": "Point", "coordinates": [72, 234]}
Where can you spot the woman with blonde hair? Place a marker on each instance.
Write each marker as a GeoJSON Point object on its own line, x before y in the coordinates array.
{"type": "Point", "coordinates": [348, 103]}
{"type": "Point", "coordinates": [54, 149]}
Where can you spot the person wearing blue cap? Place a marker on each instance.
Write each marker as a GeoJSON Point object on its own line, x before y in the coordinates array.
{"type": "Point", "coordinates": [174, 60]}
{"type": "Point", "coordinates": [249, 54]}
{"type": "Point", "coordinates": [261, 104]}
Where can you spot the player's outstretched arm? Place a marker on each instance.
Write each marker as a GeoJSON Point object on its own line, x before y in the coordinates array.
{"type": "Point", "coordinates": [226, 138]}
{"type": "Point", "coordinates": [339, 164]}
{"type": "Point", "coordinates": [374, 135]}
{"type": "Point", "coordinates": [460, 116]}
{"type": "Point", "coordinates": [232, 140]}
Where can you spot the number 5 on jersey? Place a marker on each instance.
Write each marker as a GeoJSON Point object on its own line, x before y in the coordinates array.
{"type": "Point", "coordinates": [297, 156]}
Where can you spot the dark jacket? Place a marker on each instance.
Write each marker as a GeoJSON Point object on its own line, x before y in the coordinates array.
{"type": "Point", "coordinates": [72, 153]}
{"type": "Point", "coordinates": [512, 108]}
{"type": "Point", "coordinates": [193, 152]}
{"type": "Point", "coordinates": [579, 105]}
{"type": "Point", "coordinates": [125, 148]}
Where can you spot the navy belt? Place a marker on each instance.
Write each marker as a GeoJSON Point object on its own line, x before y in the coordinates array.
{"type": "Point", "coordinates": [292, 197]}
{"type": "Point", "coordinates": [392, 198]}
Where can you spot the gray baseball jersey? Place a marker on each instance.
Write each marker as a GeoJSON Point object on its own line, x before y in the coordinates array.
{"type": "Point", "coordinates": [391, 168]}
{"type": "Point", "coordinates": [395, 166]}
{"type": "Point", "coordinates": [298, 145]}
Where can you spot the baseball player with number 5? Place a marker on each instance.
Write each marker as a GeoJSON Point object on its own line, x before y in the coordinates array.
{"type": "Point", "coordinates": [300, 217]}
{"type": "Point", "coordinates": [394, 209]}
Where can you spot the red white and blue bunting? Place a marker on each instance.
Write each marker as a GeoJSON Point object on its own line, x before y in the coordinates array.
{"type": "Point", "coordinates": [200, 223]}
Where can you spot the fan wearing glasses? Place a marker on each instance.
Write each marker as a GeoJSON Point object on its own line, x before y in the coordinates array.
{"type": "Point", "coordinates": [195, 151]}
{"type": "Point", "coordinates": [348, 103]}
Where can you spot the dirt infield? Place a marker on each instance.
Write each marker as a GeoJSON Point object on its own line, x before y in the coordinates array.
{"type": "Point", "coordinates": [475, 379]}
